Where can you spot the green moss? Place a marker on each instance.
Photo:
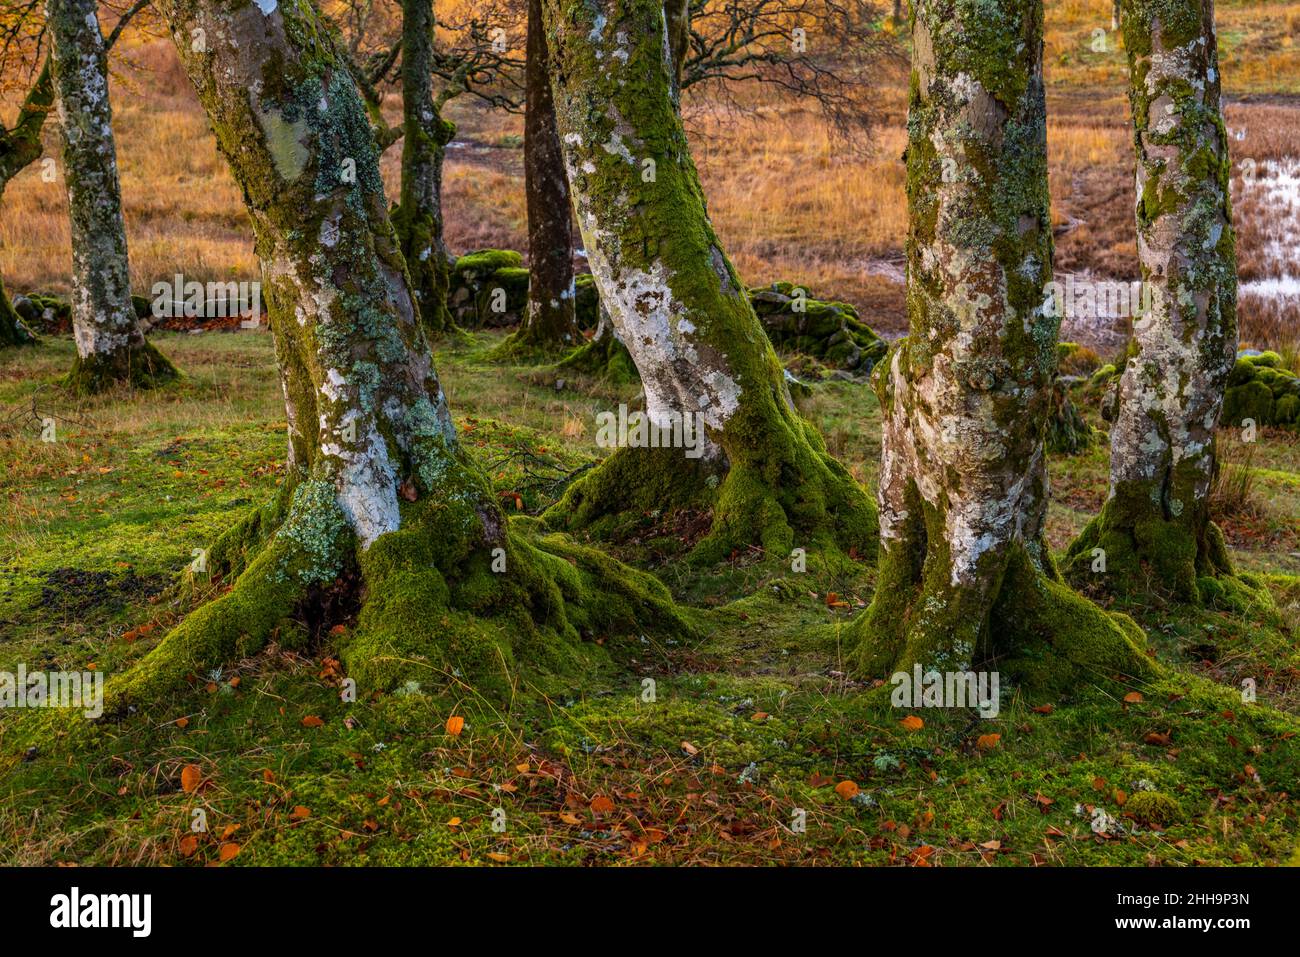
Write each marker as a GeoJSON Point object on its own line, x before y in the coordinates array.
{"type": "Point", "coordinates": [1154, 809]}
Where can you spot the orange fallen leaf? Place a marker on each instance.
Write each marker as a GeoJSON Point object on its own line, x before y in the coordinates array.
{"type": "Point", "coordinates": [300, 813]}
{"type": "Point", "coordinates": [268, 776]}
{"type": "Point", "coordinates": [987, 742]}
{"type": "Point", "coordinates": [453, 822]}
{"type": "Point", "coordinates": [499, 858]}
{"type": "Point", "coordinates": [601, 804]}
{"type": "Point", "coordinates": [189, 844]}
{"type": "Point", "coordinates": [191, 778]}
{"type": "Point", "coordinates": [182, 723]}
{"type": "Point", "coordinates": [1133, 697]}
{"type": "Point", "coordinates": [568, 818]}
{"type": "Point", "coordinates": [228, 852]}
{"type": "Point", "coordinates": [1043, 709]}
{"type": "Point", "coordinates": [455, 725]}
{"type": "Point", "coordinates": [912, 723]}
{"type": "Point", "coordinates": [311, 721]}
{"type": "Point", "coordinates": [847, 790]}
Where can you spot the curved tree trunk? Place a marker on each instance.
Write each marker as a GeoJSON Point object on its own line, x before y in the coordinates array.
{"type": "Point", "coordinates": [111, 347]}
{"type": "Point", "coordinates": [418, 216]}
{"type": "Point", "coordinates": [19, 148]}
{"type": "Point", "coordinates": [678, 304]}
{"type": "Point", "coordinates": [549, 324]}
{"type": "Point", "coordinates": [1155, 529]}
{"type": "Point", "coordinates": [379, 489]}
{"type": "Point", "coordinates": [965, 575]}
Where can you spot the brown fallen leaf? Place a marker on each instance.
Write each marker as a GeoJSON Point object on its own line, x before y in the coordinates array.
{"type": "Point", "coordinates": [189, 844]}
{"type": "Point", "coordinates": [312, 721]}
{"type": "Point", "coordinates": [191, 778]}
{"type": "Point", "coordinates": [601, 804]}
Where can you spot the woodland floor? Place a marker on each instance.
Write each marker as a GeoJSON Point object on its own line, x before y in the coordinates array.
{"type": "Point", "coordinates": [752, 722]}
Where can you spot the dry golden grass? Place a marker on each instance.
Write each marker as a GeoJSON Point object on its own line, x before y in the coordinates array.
{"type": "Point", "coordinates": [788, 200]}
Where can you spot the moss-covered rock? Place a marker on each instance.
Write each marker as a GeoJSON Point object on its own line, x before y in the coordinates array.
{"type": "Point", "coordinates": [489, 289]}
{"type": "Point", "coordinates": [1259, 389]}
{"type": "Point", "coordinates": [831, 332]}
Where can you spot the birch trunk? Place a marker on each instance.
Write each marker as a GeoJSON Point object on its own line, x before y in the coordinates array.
{"type": "Point", "coordinates": [381, 505]}
{"type": "Point", "coordinates": [418, 216]}
{"type": "Point", "coordinates": [1155, 531]}
{"type": "Point", "coordinates": [679, 306]}
{"type": "Point", "coordinates": [111, 348]}
{"type": "Point", "coordinates": [965, 575]}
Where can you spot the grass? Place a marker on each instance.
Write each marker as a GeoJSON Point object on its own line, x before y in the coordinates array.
{"type": "Point", "coordinates": [737, 749]}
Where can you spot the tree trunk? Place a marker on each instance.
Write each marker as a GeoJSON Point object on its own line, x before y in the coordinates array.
{"type": "Point", "coordinates": [679, 306]}
{"type": "Point", "coordinates": [549, 324]}
{"type": "Point", "coordinates": [1155, 530]}
{"type": "Point", "coordinates": [418, 216]}
{"type": "Point", "coordinates": [677, 16]}
{"type": "Point", "coordinates": [19, 148]}
{"type": "Point", "coordinates": [111, 348]}
{"type": "Point", "coordinates": [381, 504]}
{"type": "Point", "coordinates": [965, 575]}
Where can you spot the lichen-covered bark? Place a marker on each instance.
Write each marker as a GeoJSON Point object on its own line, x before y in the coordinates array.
{"type": "Point", "coordinates": [379, 489]}
{"type": "Point", "coordinates": [111, 348]}
{"type": "Point", "coordinates": [549, 324]}
{"type": "Point", "coordinates": [964, 571]}
{"type": "Point", "coordinates": [675, 298]}
{"type": "Point", "coordinates": [418, 216]}
{"type": "Point", "coordinates": [1155, 528]}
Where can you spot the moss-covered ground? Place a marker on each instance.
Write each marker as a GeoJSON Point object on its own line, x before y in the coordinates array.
{"type": "Point", "coordinates": [748, 745]}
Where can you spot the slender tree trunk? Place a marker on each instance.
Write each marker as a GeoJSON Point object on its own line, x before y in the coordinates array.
{"type": "Point", "coordinates": [418, 216]}
{"type": "Point", "coordinates": [19, 148]}
{"type": "Point", "coordinates": [379, 491]}
{"type": "Point", "coordinates": [965, 575]}
{"type": "Point", "coordinates": [1154, 532]}
{"type": "Point", "coordinates": [678, 305]}
{"type": "Point", "coordinates": [549, 324]}
{"type": "Point", "coordinates": [111, 347]}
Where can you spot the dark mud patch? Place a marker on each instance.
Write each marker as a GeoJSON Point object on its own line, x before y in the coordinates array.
{"type": "Point", "coordinates": [77, 591]}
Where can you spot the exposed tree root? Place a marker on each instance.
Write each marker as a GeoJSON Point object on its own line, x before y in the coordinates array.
{"type": "Point", "coordinates": [1129, 549]}
{"type": "Point", "coordinates": [1031, 627]}
{"type": "Point", "coordinates": [455, 595]}
{"type": "Point", "coordinates": [139, 366]}
{"type": "Point", "coordinates": [790, 493]}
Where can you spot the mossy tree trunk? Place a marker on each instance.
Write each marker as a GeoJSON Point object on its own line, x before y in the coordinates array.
{"type": "Point", "coordinates": [19, 148]}
{"type": "Point", "coordinates": [678, 305]}
{"type": "Point", "coordinates": [549, 324]}
{"type": "Point", "coordinates": [418, 216]}
{"type": "Point", "coordinates": [1155, 529]}
{"type": "Point", "coordinates": [111, 348]}
{"type": "Point", "coordinates": [965, 575]}
{"type": "Point", "coordinates": [379, 490]}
